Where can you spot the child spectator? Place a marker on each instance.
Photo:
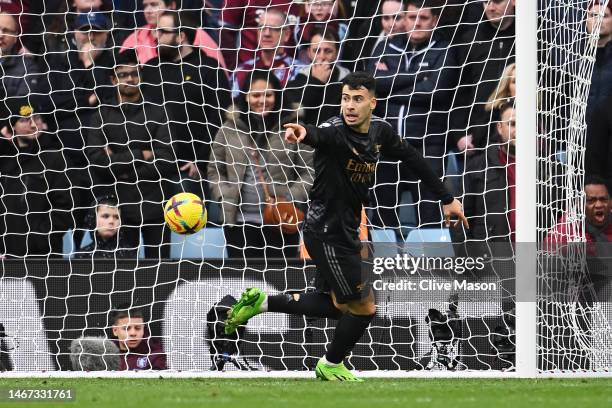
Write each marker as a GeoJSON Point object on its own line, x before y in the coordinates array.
{"type": "Point", "coordinates": [140, 351]}
{"type": "Point", "coordinates": [104, 222]}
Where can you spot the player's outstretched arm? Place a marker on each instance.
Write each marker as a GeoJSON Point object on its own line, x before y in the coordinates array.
{"type": "Point", "coordinates": [294, 133]}
{"type": "Point", "coordinates": [452, 210]}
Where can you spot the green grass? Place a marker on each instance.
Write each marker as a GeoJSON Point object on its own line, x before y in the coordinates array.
{"type": "Point", "coordinates": [296, 393]}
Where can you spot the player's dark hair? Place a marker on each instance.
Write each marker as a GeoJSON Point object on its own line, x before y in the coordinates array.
{"type": "Point", "coordinates": [126, 311]}
{"type": "Point", "coordinates": [594, 180]}
{"type": "Point", "coordinates": [356, 80]}
{"type": "Point", "coordinates": [434, 5]}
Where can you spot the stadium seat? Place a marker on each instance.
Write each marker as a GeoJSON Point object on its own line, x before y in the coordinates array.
{"type": "Point", "coordinates": [385, 242]}
{"type": "Point", "coordinates": [561, 156]}
{"type": "Point", "coordinates": [407, 211]}
{"type": "Point", "coordinates": [68, 245]}
{"type": "Point", "coordinates": [208, 243]}
{"type": "Point", "coordinates": [430, 242]}
{"type": "Point", "coordinates": [454, 171]}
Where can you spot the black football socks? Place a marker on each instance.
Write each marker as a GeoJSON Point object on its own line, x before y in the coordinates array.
{"type": "Point", "coordinates": [349, 330]}
{"type": "Point", "coordinates": [307, 304]}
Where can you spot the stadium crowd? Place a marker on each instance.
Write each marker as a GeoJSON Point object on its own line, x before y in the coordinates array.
{"type": "Point", "coordinates": [116, 109]}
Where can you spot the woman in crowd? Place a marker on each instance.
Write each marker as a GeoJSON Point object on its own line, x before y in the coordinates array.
{"type": "Point", "coordinates": [252, 166]}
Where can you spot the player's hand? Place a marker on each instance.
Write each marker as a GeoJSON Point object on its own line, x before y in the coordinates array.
{"type": "Point", "coordinates": [147, 155]}
{"type": "Point", "coordinates": [294, 133]}
{"type": "Point", "coordinates": [455, 209]}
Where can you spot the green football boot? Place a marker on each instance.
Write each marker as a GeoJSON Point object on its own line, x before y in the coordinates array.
{"type": "Point", "coordinates": [247, 307]}
{"type": "Point", "coordinates": [336, 373]}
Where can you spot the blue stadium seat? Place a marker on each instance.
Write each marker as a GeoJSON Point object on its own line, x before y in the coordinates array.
{"type": "Point", "coordinates": [208, 243]}
{"type": "Point", "coordinates": [454, 171]}
{"type": "Point", "coordinates": [561, 156]}
{"type": "Point", "coordinates": [385, 242]}
{"type": "Point", "coordinates": [68, 244]}
{"type": "Point", "coordinates": [430, 242]}
{"type": "Point", "coordinates": [407, 211]}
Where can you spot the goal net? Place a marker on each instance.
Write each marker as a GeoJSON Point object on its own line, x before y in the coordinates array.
{"type": "Point", "coordinates": [113, 111]}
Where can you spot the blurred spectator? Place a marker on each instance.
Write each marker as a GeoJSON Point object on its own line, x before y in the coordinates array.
{"type": "Point", "coordinates": [104, 223]}
{"type": "Point", "coordinates": [35, 203]}
{"type": "Point", "coordinates": [601, 80]}
{"type": "Point", "coordinates": [251, 147]}
{"type": "Point", "coordinates": [130, 154]}
{"type": "Point", "coordinates": [317, 88]}
{"type": "Point", "coordinates": [391, 22]}
{"type": "Point", "coordinates": [241, 24]}
{"type": "Point", "coordinates": [273, 36]}
{"type": "Point", "coordinates": [139, 350]}
{"type": "Point", "coordinates": [490, 189]}
{"type": "Point", "coordinates": [484, 53]}
{"type": "Point", "coordinates": [144, 39]}
{"type": "Point", "coordinates": [598, 156]}
{"type": "Point", "coordinates": [598, 212]}
{"type": "Point", "coordinates": [80, 79]}
{"type": "Point", "coordinates": [58, 20]}
{"type": "Point", "coordinates": [195, 95]}
{"type": "Point", "coordinates": [321, 15]}
{"type": "Point", "coordinates": [415, 76]}
{"type": "Point", "coordinates": [459, 16]}
{"type": "Point", "coordinates": [20, 11]}
{"type": "Point", "coordinates": [20, 74]}
{"type": "Point", "coordinates": [362, 24]}
{"type": "Point", "coordinates": [506, 88]}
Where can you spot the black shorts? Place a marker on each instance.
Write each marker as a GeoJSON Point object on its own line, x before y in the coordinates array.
{"type": "Point", "coordinates": [340, 270]}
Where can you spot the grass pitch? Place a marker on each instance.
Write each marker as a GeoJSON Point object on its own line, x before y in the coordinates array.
{"type": "Point", "coordinates": [297, 393]}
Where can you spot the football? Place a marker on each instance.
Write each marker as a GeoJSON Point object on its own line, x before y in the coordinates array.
{"type": "Point", "coordinates": [185, 213]}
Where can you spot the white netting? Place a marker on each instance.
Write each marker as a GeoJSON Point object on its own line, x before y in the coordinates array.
{"type": "Point", "coordinates": [202, 112]}
{"type": "Point", "coordinates": [574, 316]}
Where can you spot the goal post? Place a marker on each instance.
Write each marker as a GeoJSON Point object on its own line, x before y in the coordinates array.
{"type": "Point", "coordinates": [526, 234]}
